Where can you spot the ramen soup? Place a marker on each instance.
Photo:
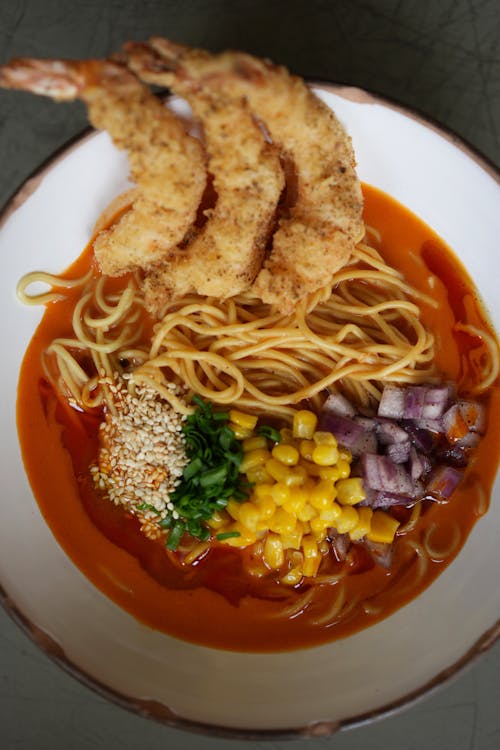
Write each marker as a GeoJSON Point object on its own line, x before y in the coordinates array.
{"type": "Point", "coordinates": [334, 506]}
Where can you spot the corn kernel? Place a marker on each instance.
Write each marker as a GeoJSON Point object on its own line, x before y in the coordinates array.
{"type": "Point", "coordinates": [277, 470]}
{"type": "Point", "coordinates": [306, 512]}
{"type": "Point", "coordinates": [248, 421]}
{"type": "Point", "coordinates": [363, 526]}
{"type": "Point", "coordinates": [293, 539]}
{"type": "Point", "coordinates": [331, 514]}
{"type": "Point", "coordinates": [263, 490]}
{"type": "Point", "coordinates": [345, 454]}
{"type": "Point", "coordinates": [293, 577]}
{"type": "Point", "coordinates": [343, 468]}
{"type": "Point", "coordinates": [266, 507]}
{"type": "Point", "coordinates": [249, 516]}
{"type": "Point", "coordinates": [240, 433]}
{"type": "Point", "coordinates": [280, 493]}
{"type": "Point", "coordinates": [254, 458]}
{"type": "Point", "coordinates": [259, 475]}
{"type": "Point", "coordinates": [297, 476]}
{"type": "Point", "coordinates": [325, 454]}
{"type": "Point", "coordinates": [318, 525]}
{"type": "Point", "coordinates": [330, 473]}
{"type": "Point", "coordinates": [309, 547]}
{"type": "Point", "coordinates": [304, 424]}
{"type": "Point", "coordinates": [325, 438]}
{"type": "Point", "coordinates": [347, 519]}
{"type": "Point", "coordinates": [233, 508]}
{"type": "Point", "coordinates": [311, 469]}
{"type": "Point", "coordinates": [384, 527]}
{"type": "Point", "coordinates": [217, 520]}
{"type": "Point", "coordinates": [274, 555]}
{"type": "Point", "coordinates": [306, 448]}
{"type": "Point", "coordinates": [245, 538]}
{"type": "Point", "coordinates": [297, 499]}
{"type": "Point", "coordinates": [323, 494]}
{"type": "Point", "coordinates": [287, 454]}
{"type": "Point", "coordinates": [310, 567]}
{"type": "Point", "coordinates": [282, 522]}
{"type": "Point", "coordinates": [350, 491]}
{"type": "Point", "coordinates": [254, 443]}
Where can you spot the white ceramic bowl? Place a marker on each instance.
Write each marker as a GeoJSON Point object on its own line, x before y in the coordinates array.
{"type": "Point", "coordinates": [303, 693]}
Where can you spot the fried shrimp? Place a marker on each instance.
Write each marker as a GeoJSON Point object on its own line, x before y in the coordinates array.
{"type": "Point", "coordinates": [319, 232]}
{"type": "Point", "coordinates": [167, 164]}
{"type": "Point", "coordinates": [225, 256]}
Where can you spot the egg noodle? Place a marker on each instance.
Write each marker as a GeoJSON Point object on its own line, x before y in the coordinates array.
{"type": "Point", "coordinates": [362, 331]}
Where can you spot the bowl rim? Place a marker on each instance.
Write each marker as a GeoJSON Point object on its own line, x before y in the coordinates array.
{"type": "Point", "coordinates": [160, 712]}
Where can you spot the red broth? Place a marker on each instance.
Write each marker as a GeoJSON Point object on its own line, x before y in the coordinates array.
{"type": "Point", "coordinates": [215, 602]}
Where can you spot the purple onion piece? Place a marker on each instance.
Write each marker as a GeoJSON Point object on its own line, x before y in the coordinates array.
{"type": "Point", "coordinates": [380, 473]}
{"type": "Point", "coordinates": [392, 402]}
{"type": "Point", "coordinates": [336, 403]}
{"type": "Point", "coordinates": [423, 440]}
{"type": "Point", "coordinates": [340, 544]}
{"type": "Point", "coordinates": [443, 482]}
{"type": "Point", "coordinates": [349, 433]}
{"type": "Point", "coordinates": [399, 452]}
{"type": "Point", "coordinates": [389, 432]}
{"type": "Point", "coordinates": [382, 499]}
{"type": "Point", "coordinates": [431, 425]}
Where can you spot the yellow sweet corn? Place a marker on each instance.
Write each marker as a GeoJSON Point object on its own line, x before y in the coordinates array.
{"type": "Point", "coordinates": [306, 512]}
{"type": "Point", "coordinates": [347, 519]}
{"type": "Point", "coordinates": [297, 499]}
{"type": "Point", "coordinates": [331, 514]}
{"type": "Point", "coordinates": [233, 508]}
{"type": "Point", "coordinates": [286, 454]}
{"type": "Point", "coordinates": [218, 520]}
{"type": "Point", "coordinates": [293, 539]}
{"type": "Point", "coordinates": [278, 471]}
{"type": "Point", "coordinates": [350, 491]}
{"type": "Point", "coordinates": [254, 443]}
{"type": "Point", "coordinates": [257, 457]}
{"type": "Point", "coordinates": [266, 507]}
{"type": "Point", "coordinates": [328, 472]}
{"type": "Point", "coordinates": [304, 424]}
{"type": "Point", "coordinates": [244, 539]}
{"type": "Point", "coordinates": [286, 436]}
{"type": "Point", "coordinates": [324, 438]}
{"type": "Point", "coordinates": [297, 476]}
{"type": "Point", "coordinates": [280, 493]}
{"type": "Point", "coordinates": [282, 522]}
{"type": "Point", "coordinates": [249, 516]}
{"type": "Point", "coordinates": [274, 555]}
{"type": "Point", "coordinates": [383, 527]}
{"type": "Point", "coordinates": [312, 557]}
{"type": "Point", "coordinates": [293, 576]}
{"type": "Point", "coordinates": [343, 468]}
{"type": "Point", "coordinates": [258, 475]}
{"type": "Point", "coordinates": [345, 454]}
{"type": "Point", "coordinates": [323, 494]}
{"type": "Point", "coordinates": [240, 432]}
{"type": "Point", "coordinates": [325, 454]}
{"type": "Point", "coordinates": [247, 421]}
{"type": "Point", "coordinates": [306, 448]}
{"type": "Point", "coordinates": [363, 526]}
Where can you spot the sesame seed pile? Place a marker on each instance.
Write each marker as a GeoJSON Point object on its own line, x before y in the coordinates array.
{"type": "Point", "coordinates": [141, 455]}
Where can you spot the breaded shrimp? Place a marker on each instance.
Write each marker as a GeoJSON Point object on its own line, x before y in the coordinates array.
{"type": "Point", "coordinates": [166, 163]}
{"type": "Point", "coordinates": [318, 235]}
{"type": "Point", "coordinates": [224, 258]}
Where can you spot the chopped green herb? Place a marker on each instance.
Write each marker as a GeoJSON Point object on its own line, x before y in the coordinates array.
{"type": "Point", "coordinates": [175, 535]}
{"type": "Point", "coordinates": [269, 432]}
{"type": "Point", "coordinates": [212, 475]}
{"type": "Point", "coordinates": [147, 506]}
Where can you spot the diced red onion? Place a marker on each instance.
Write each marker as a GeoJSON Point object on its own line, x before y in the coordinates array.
{"type": "Point", "coordinates": [380, 552]}
{"type": "Point", "coordinates": [389, 432]}
{"type": "Point", "coordinates": [382, 499]}
{"type": "Point", "coordinates": [339, 404]}
{"type": "Point", "coordinates": [349, 433]}
{"type": "Point", "coordinates": [380, 473]}
{"type": "Point", "coordinates": [443, 481]}
{"type": "Point", "coordinates": [413, 402]}
{"type": "Point", "coordinates": [399, 452]}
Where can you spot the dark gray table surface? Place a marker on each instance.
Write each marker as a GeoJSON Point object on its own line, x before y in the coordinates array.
{"type": "Point", "coordinates": [441, 58]}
